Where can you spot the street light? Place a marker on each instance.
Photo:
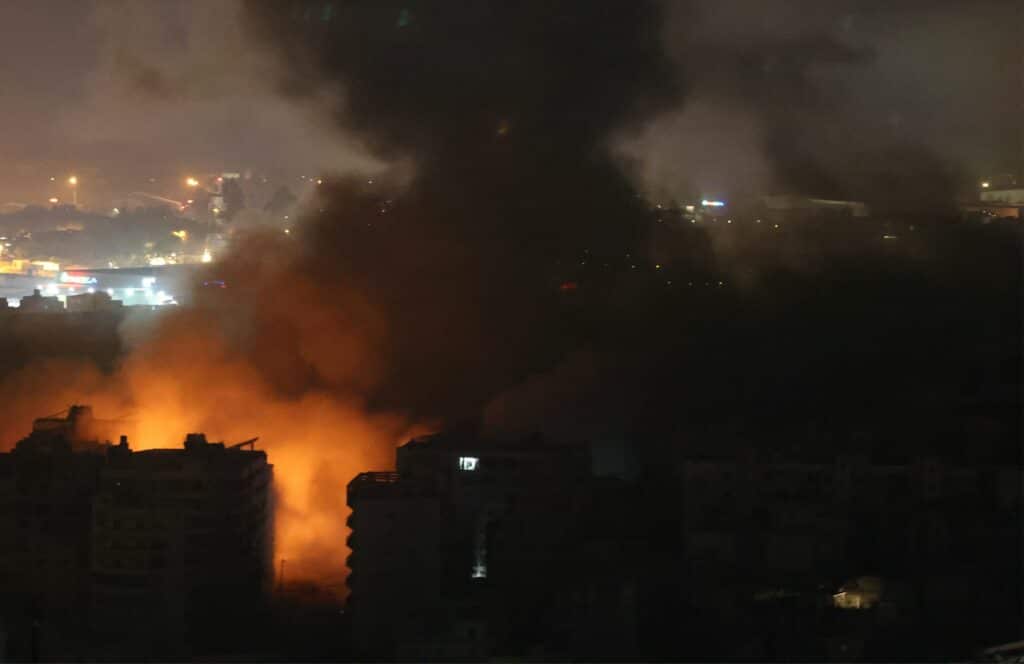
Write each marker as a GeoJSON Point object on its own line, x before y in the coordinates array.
{"type": "Point", "coordinates": [192, 182]}
{"type": "Point", "coordinates": [73, 181]}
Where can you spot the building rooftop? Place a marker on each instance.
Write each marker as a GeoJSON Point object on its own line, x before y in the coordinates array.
{"type": "Point", "coordinates": [79, 432]}
{"type": "Point", "coordinates": [461, 440]}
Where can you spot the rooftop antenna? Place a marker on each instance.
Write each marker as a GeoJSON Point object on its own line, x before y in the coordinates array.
{"type": "Point", "coordinates": [251, 443]}
{"type": "Point", "coordinates": [59, 412]}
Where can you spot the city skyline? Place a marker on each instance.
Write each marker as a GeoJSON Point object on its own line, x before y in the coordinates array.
{"type": "Point", "coordinates": [631, 330]}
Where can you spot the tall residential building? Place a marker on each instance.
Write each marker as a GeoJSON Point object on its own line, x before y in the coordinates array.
{"type": "Point", "coordinates": [465, 547]}
{"type": "Point", "coordinates": [141, 551]}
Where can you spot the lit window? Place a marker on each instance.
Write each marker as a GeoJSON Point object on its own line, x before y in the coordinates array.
{"type": "Point", "coordinates": [469, 463]}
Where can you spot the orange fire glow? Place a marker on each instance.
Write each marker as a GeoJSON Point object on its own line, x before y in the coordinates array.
{"type": "Point", "coordinates": [236, 375]}
{"type": "Point", "coordinates": [316, 443]}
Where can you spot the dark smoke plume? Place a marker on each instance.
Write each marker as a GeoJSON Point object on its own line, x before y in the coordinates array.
{"type": "Point", "coordinates": [403, 300]}
{"type": "Point", "coordinates": [502, 110]}
{"type": "Point", "coordinates": [892, 103]}
{"type": "Point", "coordinates": [413, 297]}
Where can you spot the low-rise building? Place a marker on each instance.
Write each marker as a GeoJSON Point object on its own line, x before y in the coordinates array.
{"type": "Point", "coordinates": [97, 301]}
{"type": "Point", "coordinates": [1008, 196]}
{"type": "Point", "coordinates": [38, 303]}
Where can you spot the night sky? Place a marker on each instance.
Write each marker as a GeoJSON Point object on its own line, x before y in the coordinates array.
{"type": "Point", "coordinates": [783, 99]}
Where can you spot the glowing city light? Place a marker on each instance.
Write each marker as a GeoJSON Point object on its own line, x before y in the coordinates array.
{"type": "Point", "coordinates": [73, 180]}
{"type": "Point", "coordinates": [76, 278]}
{"type": "Point", "coordinates": [54, 200]}
{"type": "Point", "coordinates": [707, 203]}
{"type": "Point", "coordinates": [191, 182]}
{"type": "Point", "coordinates": [207, 256]}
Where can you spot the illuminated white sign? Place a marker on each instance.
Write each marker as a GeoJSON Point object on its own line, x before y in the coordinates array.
{"type": "Point", "coordinates": [76, 279]}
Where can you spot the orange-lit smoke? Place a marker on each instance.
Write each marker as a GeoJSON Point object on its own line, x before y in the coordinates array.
{"type": "Point", "coordinates": [287, 357]}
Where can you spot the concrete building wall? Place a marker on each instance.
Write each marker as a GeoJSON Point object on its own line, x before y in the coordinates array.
{"type": "Point", "coordinates": [1013, 197]}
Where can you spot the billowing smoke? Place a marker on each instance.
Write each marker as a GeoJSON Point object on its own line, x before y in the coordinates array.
{"type": "Point", "coordinates": [285, 355]}
{"type": "Point", "coordinates": [181, 87]}
{"type": "Point", "coordinates": [403, 299]}
{"type": "Point", "coordinates": [502, 111]}
{"type": "Point", "coordinates": [480, 135]}
{"type": "Point", "coordinates": [892, 103]}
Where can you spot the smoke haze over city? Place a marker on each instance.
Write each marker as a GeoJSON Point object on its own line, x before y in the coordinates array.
{"type": "Point", "coordinates": [392, 304]}
{"type": "Point", "coordinates": [661, 229]}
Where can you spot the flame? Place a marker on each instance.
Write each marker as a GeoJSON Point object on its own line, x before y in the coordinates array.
{"type": "Point", "coordinates": [290, 370]}
{"type": "Point", "coordinates": [316, 443]}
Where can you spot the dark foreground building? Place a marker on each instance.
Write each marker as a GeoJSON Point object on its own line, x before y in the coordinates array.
{"type": "Point", "coordinates": [475, 549]}
{"type": "Point", "coordinates": [463, 550]}
{"type": "Point", "coordinates": [869, 556]}
{"type": "Point", "coordinates": [106, 551]}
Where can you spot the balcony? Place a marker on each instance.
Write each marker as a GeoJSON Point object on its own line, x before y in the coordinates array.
{"type": "Point", "coordinates": [375, 478]}
{"type": "Point", "coordinates": [384, 485]}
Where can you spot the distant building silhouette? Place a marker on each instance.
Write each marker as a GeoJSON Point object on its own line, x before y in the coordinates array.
{"type": "Point", "coordinates": [110, 550]}
{"type": "Point", "coordinates": [36, 303]}
{"type": "Point", "coordinates": [98, 301]}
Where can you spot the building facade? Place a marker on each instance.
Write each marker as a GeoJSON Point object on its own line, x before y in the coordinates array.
{"type": "Point", "coordinates": [460, 552]}
{"type": "Point", "coordinates": [798, 535]}
{"type": "Point", "coordinates": [144, 552]}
